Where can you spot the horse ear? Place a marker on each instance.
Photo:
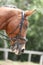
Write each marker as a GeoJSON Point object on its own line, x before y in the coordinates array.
{"type": "Point", "coordinates": [29, 12]}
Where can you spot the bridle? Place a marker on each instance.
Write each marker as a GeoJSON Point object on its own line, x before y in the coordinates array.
{"type": "Point", "coordinates": [17, 44]}
{"type": "Point", "coordinates": [18, 36]}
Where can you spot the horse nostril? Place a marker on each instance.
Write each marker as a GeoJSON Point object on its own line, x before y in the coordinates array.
{"type": "Point", "coordinates": [22, 50]}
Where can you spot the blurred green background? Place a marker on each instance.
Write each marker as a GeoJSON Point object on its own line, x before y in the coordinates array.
{"type": "Point", "coordinates": [35, 29]}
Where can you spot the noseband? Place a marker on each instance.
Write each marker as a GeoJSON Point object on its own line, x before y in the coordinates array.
{"type": "Point", "coordinates": [18, 36]}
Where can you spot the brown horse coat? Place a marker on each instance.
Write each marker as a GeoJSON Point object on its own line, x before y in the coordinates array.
{"type": "Point", "coordinates": [10, 19]}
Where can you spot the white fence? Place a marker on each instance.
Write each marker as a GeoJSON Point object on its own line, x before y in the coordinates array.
{"type": "Point", "coordinates": [5, 50]}
{"type": "Point", "coordinates": [26, 52]}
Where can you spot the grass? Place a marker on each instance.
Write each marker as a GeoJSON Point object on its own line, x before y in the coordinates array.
{"type": "Point", "coordinates": [8, 62]}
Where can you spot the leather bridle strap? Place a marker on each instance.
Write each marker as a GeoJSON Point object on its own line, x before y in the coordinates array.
{"type": "Point", "coordinates": [22, 21]}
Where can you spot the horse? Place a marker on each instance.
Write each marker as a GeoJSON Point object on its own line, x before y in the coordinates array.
{"type": "Point", "coordinates": [14, 22]}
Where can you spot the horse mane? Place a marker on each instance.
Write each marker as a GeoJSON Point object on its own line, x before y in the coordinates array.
{"type": "Point", "coordinates": [10, 6]}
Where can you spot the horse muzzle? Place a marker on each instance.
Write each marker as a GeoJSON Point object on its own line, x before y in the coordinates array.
{"type": "Point", "coordinates": [18, 48]}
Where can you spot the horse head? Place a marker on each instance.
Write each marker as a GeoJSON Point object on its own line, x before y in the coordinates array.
{"type": "Point", "coordinates": [17, 29]}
